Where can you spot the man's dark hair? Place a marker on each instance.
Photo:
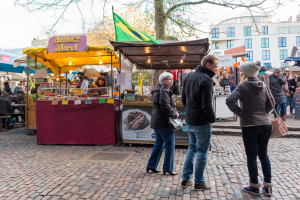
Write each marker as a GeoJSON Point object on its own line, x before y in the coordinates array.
{"type": "Point", "coordinates": [208, 59]}
{"type": "Point", "coordinates": [263, 69]}
{"type": "Point", "coordinates": [6, 84]}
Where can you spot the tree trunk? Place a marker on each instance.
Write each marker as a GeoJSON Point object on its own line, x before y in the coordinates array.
{"type": "Point", "coordinates": [160, 21]}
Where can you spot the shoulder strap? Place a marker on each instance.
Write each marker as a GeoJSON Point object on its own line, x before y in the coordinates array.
{"type": "Point", "coordinates": [270, 99]}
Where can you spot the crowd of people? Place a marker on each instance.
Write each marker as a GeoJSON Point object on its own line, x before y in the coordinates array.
{"type": "Point", "coordinates": [7, 98]}
{"type": "Point", "coordinates": [253, 110]}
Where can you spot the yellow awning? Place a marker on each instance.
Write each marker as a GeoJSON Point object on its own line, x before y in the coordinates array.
{"type": "Point", "coordinates": [78, 59]}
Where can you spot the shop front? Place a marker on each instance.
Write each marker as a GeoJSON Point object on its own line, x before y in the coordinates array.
{"type": "Point", "coordinates": [65, 112]}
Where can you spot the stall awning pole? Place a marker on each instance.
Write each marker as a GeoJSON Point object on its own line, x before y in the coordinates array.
{"type": "Point", "coordinates": [59, 82]}
{"type": "Point", "coordinates": [113, 80]}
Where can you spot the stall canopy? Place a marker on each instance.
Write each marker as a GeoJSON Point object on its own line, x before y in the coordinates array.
{"type": "Point", "coordinates": [65, 61]}
{"type": "Point", "coordinates": [166, 55]}
{"type": "Point", "coordinates": [6, 62]}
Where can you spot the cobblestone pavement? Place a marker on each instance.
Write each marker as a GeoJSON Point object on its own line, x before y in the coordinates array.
{"type": "Point", "coordinates": [31, 171]}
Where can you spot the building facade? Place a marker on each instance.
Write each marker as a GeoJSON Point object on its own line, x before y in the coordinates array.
{"type": "Point", "coordinates": [263, 39]}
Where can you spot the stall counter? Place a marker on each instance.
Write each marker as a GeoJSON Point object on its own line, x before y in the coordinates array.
{"type": "Point", "coordinates": [84, 124]}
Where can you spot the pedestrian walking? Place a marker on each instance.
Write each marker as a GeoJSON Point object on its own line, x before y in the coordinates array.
{"type": "Point", "coordinates": [197, 95]}
{"type": "Point", "coordinates": [292, 90]}
{"type": "Point", "coordinates": [263, 76]}
{"type": "Point", "coordinates": [276, 83]}
{"type": "Point", "coordinates": [286, 91]}
{"type": "Point", "coordinates": [163, 108]}
{"type": "Point", "coordinates": [256, 127]}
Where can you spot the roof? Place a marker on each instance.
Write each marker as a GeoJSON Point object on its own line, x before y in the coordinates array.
{"type": "Point", "coordinates": [166, 55]}
{"type": "Point", "coordinates": [59, 62]}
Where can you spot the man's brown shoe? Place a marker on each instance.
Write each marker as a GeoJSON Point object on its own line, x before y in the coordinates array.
{"type": "Point", "coordinates": [203, 186]}
{"type": "Point", "coordinates": [186, 183]}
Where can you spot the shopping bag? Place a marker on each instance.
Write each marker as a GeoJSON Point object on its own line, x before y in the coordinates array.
{"type": "Point", "coordinates": [278, 128]}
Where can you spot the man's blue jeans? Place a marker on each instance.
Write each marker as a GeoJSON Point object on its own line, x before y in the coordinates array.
{"type": "Point", "coordinates": [256, 140]}
{"type": "Point", "coordinates": [164, 138]}
{"type": "Point", "coordinates": [199, 141]}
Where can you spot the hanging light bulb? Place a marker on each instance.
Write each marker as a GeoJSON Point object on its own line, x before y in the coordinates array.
{"type": "Point", "coordinates": [149, 59]}
{"type": "Point", "coordinates": [100, 61]}
{"type": "Point", "coordinates": [181, 61]}
{"type": "Point", "coordinates": [70, 62]}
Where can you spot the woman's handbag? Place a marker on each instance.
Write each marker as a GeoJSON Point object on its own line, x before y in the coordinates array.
{"type": "Point", "coordinates": [278, 126]}
{"type": "Point", "coordinates": [175, 123]}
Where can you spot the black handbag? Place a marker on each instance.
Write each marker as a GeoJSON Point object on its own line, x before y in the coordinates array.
{"type": "Point", "coordinates": [175, 123]}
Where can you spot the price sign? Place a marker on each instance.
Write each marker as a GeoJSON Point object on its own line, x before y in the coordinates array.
{"type": "Point", "coordinates": [110, 101]}
{"type": "Point", "coordinates": [102, 101]}
{"type": "Point", "coordinates": [65, 102]}
{"type": "Point", "coordinates": [77, 102]}
{"type": "Point", "coordinates": [88, 101]}
{"type": "Point", "coordinates": [54, 102]}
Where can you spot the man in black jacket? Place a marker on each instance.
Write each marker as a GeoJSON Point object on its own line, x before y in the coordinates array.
{"type": "Point", "coordinates": [197, 92]}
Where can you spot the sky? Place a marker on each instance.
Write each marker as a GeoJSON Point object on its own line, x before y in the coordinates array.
{"type": "Point", "coordinates": [19, 26]}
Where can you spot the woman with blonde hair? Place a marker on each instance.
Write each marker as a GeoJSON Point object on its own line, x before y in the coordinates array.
{"type": "Point", "coordinates": [253, 111]}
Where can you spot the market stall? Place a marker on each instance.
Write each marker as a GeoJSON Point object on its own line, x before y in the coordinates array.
{"type": "Point", "coordinates": [66, 114]}
{"type": "Point", "coordinates": [167, 55]}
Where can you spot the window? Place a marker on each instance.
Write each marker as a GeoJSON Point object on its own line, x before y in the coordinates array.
{"type": "Point", "coordinates": [265, 30]}
{"type": "Point", "coordinates": [264, 42]}
{"type": "Point", "coordinates": [267, 65]}
{"type": "Point", "coordinates": [247, 31]}
{"type": "Point", "coordinates": [229, 44]}
{"type": "Point", "coordinates": [248, 43]}
{"type": "Point", "coordinates": [297, 41]}
{"type": "Point", "coordinates": [217, 53]}
{"type": "Point", "coordinates": [250, 56]}
{"type": "Point", "coordinates": [217, 45]}
{"type": "Point", "coordinates": [266, 54]}
{"type": "Point", "coordinates": [285, 64]}
{"type": "Point", "coordinates": [230, 32]}
{"type": "Point", "coordinates": [283, 53]}
{"type": "Point", "coordinates": [215, 32]}
{"type": "Point", "coordinates": [282, 42]}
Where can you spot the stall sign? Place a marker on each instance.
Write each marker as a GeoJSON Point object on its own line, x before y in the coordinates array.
{"type": "Point", "coordinates": [54, 102]}
{"type": "Point", "coordinates": [226, 61]}
{"type": "Point", "coordinates": [102, 101]}
{"type": "Point", "coordinates": [136, 124]}
{"type": "Point", "coordinates": [70, 43]}
{"type": "Point", "coordinates": [4, 59]}
{"type": "Point", "coordinates": [121, 79]}
{"type": "Point", "coordinates": [65, 102]}
{"type": "Point", "coordinates": [77, 102]}
{"type": "Point", "coordinates": [110, 101]}
{"type": "Point", "coordinates": [88, 102]}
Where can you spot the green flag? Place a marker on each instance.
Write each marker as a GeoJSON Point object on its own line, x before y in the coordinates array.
{"type": "Point", "coordinates": [125, 32]}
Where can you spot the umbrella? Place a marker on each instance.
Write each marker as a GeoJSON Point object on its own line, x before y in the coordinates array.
{"type": "Point", "coordinates": [6, 62]}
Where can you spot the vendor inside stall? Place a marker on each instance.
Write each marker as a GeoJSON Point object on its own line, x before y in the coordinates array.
{"type": "Point", "coordinates": [83, 82]}
{"type": "Point", "coordinates": [100, 85]}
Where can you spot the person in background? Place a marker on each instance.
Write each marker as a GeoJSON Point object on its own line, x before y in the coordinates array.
{"type": "Point", "coordinates": [298, 80]}
{"type": "Point", "coordinates": [18, 88]}
{"type": "Point", "coordinates": [163, 107]}
{"type": "Point", "coordinates": [7, 87]}
{"type": "Point", "coordinates": [224, 79]}
{"type": "Point", "coordinates": [292, 90]}
{"type": "Point", "coordinates": [263, 76]}
{"type": "Point", "coordinates": [285, 88]}
{"type": "Point", "coordinates": [231, 82]}
{"type": "Point", "coordinates": [5, 109]}
{"type": "Point", "coordinates": [276, 83]}
{"type": "Point", "coordinates": [83, 81]}
{"type": "Point", "coordinates": [253, 109]}
{"type": "Point", "coordinates": [197, 93]}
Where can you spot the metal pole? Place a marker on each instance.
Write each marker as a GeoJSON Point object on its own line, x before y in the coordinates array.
{"type": "Point", "coordinates": [36, 93]}
{"type": "Point", "coordinates": [27, 90]}
{"type": "Point", "coordinates": [66, 79]}
{"type": "Point", "coordinates": [113, 80]}
{"type": "Point", "coordinates": [120, 101]}
{"type": "Point", "coordinates": [59, 82]}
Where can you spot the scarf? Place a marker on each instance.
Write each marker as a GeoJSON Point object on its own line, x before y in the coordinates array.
{"type": "Point", "coordinates": [262, 72]}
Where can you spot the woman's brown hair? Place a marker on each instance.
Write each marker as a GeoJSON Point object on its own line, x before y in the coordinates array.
{"type": "Point", "coordinates": [103, 79]}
